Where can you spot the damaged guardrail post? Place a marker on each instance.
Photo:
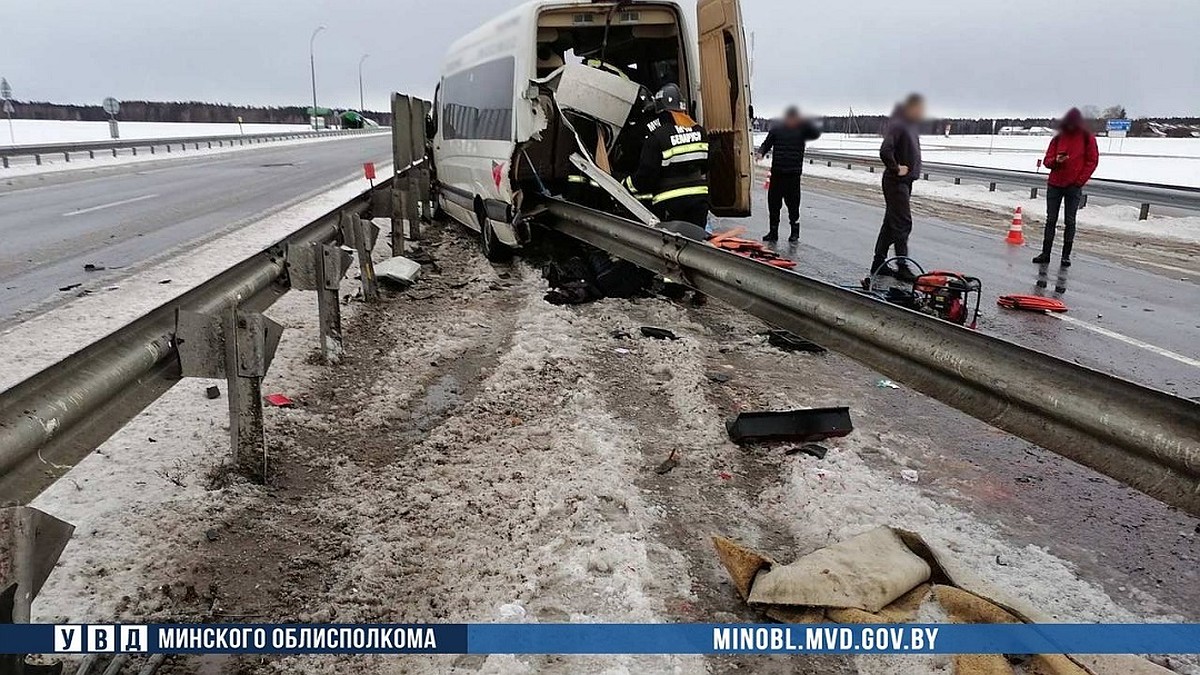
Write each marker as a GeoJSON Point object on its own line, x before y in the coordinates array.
{"type": "Point", "coordinates": [30, 544]}
{"type": "Point", "coordinates": [361, 235]}
{"type": "Point", "coordinates": [239, 347]}
{"type": "Point", "coordinates": [320, 267]}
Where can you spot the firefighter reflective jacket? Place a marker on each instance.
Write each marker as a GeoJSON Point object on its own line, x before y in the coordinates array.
{"type": "Point", "coordinates": [674, 160]}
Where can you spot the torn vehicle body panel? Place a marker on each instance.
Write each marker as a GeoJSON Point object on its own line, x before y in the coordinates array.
{"type": "Point", "coordinates": [550, 79]}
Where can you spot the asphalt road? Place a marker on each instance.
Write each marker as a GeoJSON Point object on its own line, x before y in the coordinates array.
{"type": "Point", "coordinates": [1136, 324]}
{"type": "Point", "coordinates": [117, 217]}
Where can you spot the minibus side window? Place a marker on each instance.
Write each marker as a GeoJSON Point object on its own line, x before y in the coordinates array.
{"type": "Point", "coordinates": [477, 103]}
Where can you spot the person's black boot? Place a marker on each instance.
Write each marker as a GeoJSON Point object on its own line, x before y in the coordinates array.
{"type": "Point", "coordinates": [1043, 259]}
{"type": "Point", "coordinates": [773, 235]}
{"type": "Point", "coordinates": [882, 270]}
{"type": "Point", "coordinates": [905, 274]}
{"type": "Point", "coordinates": [1066, 261]}
{"type": "Point", "coordinates": [795, 233]}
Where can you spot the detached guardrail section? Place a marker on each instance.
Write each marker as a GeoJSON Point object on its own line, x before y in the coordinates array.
{"type": "Point", "coordinates": [1145, 194]}
{"type": "Point", "coordinates": [67, 150]}
{"type": "Point", "coordinates": [1145, 438]}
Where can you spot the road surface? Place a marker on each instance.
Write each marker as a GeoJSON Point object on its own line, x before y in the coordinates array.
{"type": "Point", "coordinates": [53, 225]}
{"type": "Point", "coordinates": [1135, 323]}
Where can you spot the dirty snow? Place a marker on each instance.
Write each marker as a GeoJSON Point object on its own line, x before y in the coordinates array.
{"type": "Point", "coordinates": [40, 132]}
{"type": "Point", "coordinates": [480, 451]}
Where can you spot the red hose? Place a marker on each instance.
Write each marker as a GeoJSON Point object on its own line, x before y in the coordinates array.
{"type": "Point", "coordinates": [1032, 303]}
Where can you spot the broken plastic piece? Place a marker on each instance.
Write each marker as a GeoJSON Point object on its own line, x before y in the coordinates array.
{"type": "Point", "coordinates": [399, 270]}
{"type": "Point", "coordinates": [658, 333]}
{"type": "Point", "coordinates": [279, 401]}
{"type": "Point", "coordinates": [887, 384]}
{"type": "Point", "coordinates": [790, 342]}
{"type": "Point", "coordinates": [668, 465]}
{"type": "Point", "coordinates": [800, 426]}
{"type": "Point", "coordinates": [810, 449]}
{"type": "Point", "coordinates": [213, 392]}
{"type": "Point", "coordinates": [90, 267]}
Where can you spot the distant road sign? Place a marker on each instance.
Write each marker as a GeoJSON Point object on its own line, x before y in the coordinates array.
{"type": "Point", "coordinates": [112, 106]}
{"type": "Point", "coordinates": [5, 89]}
{"type": "Point", "coordinates": [1119, 128]}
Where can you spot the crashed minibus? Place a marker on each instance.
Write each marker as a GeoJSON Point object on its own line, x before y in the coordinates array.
{"type": "Point", "coordinates": [529, 98]}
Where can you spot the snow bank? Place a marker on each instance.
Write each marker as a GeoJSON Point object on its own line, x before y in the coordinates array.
{"type": "Point", "coordinates": [39, 132]}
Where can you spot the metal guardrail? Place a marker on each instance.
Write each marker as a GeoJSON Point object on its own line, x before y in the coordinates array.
{"type": "Point", "coordinates": [53, 419]}
{"type": "Point", "coordinates": [1145, 438]}
{"type": "Point", "coordinates": [1145, 194]}
{"type": "Point", "coordinates": [66, 150]}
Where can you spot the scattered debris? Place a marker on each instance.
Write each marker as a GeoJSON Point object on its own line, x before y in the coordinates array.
{"type": "Point", "coordinates": [211, 535]}
{"type": "Point", "coordinates": [910, 476]}
{"type": "Point", "coordinates": [658, 333]}
{"type": "Point", "coordinates": [810, 449]}
{"type": "Point", "coordinates": [885, 576]}
{"type": "Point", "coordinates": [725, 475]}
{"type": "Point", "coordinates": [622, 351]}
{"type": "Point", "coordinates": [399, 270]}
{"type": "Point", "coordinates": [511, 612]}
{"type": "Point", "coordinates": [93, 268]}
{"type": "Point", "coordinates": [790, 342]}
{"type": "Point", "coordinates": [70, 287]}
{"type": "Point", "coordinates": [887, 384]}
{"type": "Point", "coordinates": [279, 401]}
{"type": "Point", "coordinates": [800, 426]}
{"type": "Point", "coordinates": [718, 377]}
{"type": "Point", "coordinates": [667, 466]}
{"type": "Point", "coordinates": [213, 392]}
{"type": "Point", "coordinates": [164, 282]}
{"type": "Point", "coordinates": [621, 335]}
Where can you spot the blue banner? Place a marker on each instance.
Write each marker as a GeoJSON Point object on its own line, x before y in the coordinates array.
{"type": "Point", "coordinates": [602, 639]}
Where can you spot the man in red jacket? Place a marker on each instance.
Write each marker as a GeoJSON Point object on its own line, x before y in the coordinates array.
{"type": "Point", "coordinates": [1072, 159]}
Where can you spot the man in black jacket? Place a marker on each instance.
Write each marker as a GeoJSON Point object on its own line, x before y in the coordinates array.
{"type": "Point", "coordinates": [787, 142]}
{"type": "Point", "coordinates": [901, 155]}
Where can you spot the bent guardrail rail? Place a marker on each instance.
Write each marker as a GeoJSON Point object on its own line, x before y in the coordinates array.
{"type": "Point", "coordinates": [1145, 438]}
{"type": "Point", "coordinates": [1145, 194]}
{"type": "Point", "coordinates": [66, 150]}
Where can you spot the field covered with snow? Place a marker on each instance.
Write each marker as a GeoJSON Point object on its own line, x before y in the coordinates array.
{"type": "Point", "coordinates": [1169, 161]}
{"type": "Point", "coordinates": [37, 132]}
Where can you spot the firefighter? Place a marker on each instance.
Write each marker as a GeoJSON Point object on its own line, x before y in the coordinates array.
{"type": "Point", "coordinates": [673, 171]}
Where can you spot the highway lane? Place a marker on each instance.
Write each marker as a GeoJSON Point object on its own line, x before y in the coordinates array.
{"type": "Point", "coordinates": [118, 217]}
{"type": "Point", "coordinates": [1133, 323]}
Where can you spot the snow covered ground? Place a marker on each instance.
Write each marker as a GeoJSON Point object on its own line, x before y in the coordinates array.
{"type": "Point", "coordinates": [483, 456]}
{"type": "Point", "coordinates": [1114, 217]}
{"type": "Point", "coordinates": [1169, 161]}
{"type": "Point", "coordinates": [37, 132]}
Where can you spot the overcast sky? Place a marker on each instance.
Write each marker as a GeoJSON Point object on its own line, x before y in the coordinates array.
{"type": "Point", "coordinates": [1011, 57]}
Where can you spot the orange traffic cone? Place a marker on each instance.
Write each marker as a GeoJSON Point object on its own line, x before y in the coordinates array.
{"type": "Point", "coordinates": [767, 185]}
{"type": "Point", "coordinates": [1016, 233]}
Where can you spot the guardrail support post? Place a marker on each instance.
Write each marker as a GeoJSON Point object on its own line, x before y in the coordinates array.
{"type": "Point", "coordinates": [30, 543]}
{"type": "Point", "coordinates": [992, 186]}
{"type": "Point", "coordinates": [1083, 202]}
{"type": "Point", "coordinates": [37, 159]}
{"type": "Point", "coordinates": [1145, 214]}
{"type": "Point", "coordinates": [361, 236]}
{"type": "Point", "coordinates": [927, 176]}
{"type": "Point", "coordinates": [115, 152]}
{"type": "Point", "coordinates": [134, 149]}
{"type": "Point", "coordinates": [871, 169]}
{"type": "Point", "coordinates": [67, 156]}
{"type": "Point", "coordinates": [239, 347]}
{"type": "Point", "coordinates": [1033, 193]}
{"type": "Point", "coordinates": [91, 154]}
{"type": "Point", "coordinates": [5, 159]}
{"type": "Point", "coordinates": [320, 267]}
{"type": "Point", "coordinates": [957, 181]}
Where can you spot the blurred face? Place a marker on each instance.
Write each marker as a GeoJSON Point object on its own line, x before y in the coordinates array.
{"type": "Point", "coordinates": [915, 111]}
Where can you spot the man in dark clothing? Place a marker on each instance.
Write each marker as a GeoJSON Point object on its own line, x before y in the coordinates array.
{"type": "Point", "coordinates": [673, 172]}
{"type": "Point", "coordinates": [787, 142]}
{"type": "Point", "coordinates": [901, 155]}
{"type": "Point", "coordinates": [1072, 159]}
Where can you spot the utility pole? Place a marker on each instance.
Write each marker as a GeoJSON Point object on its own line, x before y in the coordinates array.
{"type": "Point", "coordinates": [361, 105]}
{"type": "Point", "coordinates": [312, 65]}
{"type": "Point", "coordinates": [5, 95]}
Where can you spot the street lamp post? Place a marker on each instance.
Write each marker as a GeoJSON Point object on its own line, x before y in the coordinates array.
{"type": "Point", "coordinates": [361, 107]}
{"type": "Point", "coordinates": [312, 65]}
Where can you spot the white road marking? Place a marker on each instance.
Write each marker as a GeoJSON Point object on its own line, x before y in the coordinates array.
{"type": "Point", "coordinates": [1186, 360]}
{"type": "Point", "coordinates": [80, 212]}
